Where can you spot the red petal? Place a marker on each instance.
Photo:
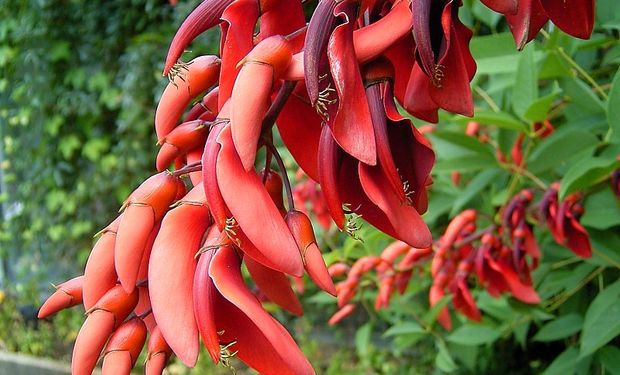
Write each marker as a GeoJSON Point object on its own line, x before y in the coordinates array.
{"type": "Point", "coordinates": [526, 23]}
{"type": "Point", "coordinates": [260, 338]}
{"type": "Point", "coordinates": [250, 101]}
{"type": "Point", "coordinates": [237, 40]}
{"type": "Point", "coordinates": [352, 125]}
{"type": "Point", "coordinates": [129, 338]}
{"type": "Point", "coordinates": [181, 139]}
{"type": "Point", "coordinates": [417, 100]}
{"type": "Point", "coordinates": [211, 188]}
{"type": "Point", "coordinates": [171, 276]}
{"type": "Point", "coordinates": [205, 16]}
{"type": "Point", "coordinates": [341, 314]}
{"type": "Point", "coordinates": [317, 270]}
{"type": "Point", "coordinates": [577, 238]}
{"type": "Point", "coordinates": [502, 6]}
{"type": "Point", "coordinates": [300, 129]}
{"type": "Point", "coordinates": [254, 211]}
{"type": "Point", "coordinates": [90, 341]}
{"type": "Point", "coordinates": [116, 363]}
{"type": "Point", "coordinates": [204, 304]}
{"type": "Point", "coordinates": [133, 234]}
{"type": "Point", "coordinates": [575, 17]}
{"type": "Point", "coordinates": [275, 285]}
{"type": "Point", "coordinates": [457, 66]}
{"type": "Point", "coordinates": [201, 73]}
{"type": "Point", "coordinates": [328, 153]}
{"type": "Point", "coordinates": [406, 221]}
{"type": "Point", "coordinates": [67, 294]}
{"type": "Point", "coordinates": [282, 18]}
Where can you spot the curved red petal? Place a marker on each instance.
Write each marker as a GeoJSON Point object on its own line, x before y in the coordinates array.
{"type": "Point", "coordinates": [352, 125]}
{"type": "Point", "coordinates": [206, 15]}
{"type": "Point", "coordinates": [132, 237]}
{"type": "Point", "coordinates": [90, 341]}
{"type": "Point", "coordinates": [575, 17]}
{"type": "Point", "coordinates": [257, 339]}
{"type": "Point", "coordinates": [405, 220]}
{"type": "Point", "coordinates": [250, 101]}
{"type": "Point", "coordinates": [275, 285]}
{"type": "Point", "coordinates": [171, 276]}
{"type": "Point", "coordinates": [254, 211]}
{"type": "Point", "coordinates": [117, 363]}
{"type": "Point", "coordinates": [237, 40]}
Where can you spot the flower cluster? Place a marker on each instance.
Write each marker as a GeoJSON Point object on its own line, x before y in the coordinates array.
{"type": "Point", "coordinates": [501, 256]}
{"type": "Point", "coordinates": [170, 264]}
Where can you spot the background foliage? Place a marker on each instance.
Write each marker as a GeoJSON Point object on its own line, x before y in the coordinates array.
{"type": "Point", "coordinates": [78, 86]}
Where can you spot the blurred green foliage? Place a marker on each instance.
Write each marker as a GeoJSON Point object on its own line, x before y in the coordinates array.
{"type": "Point", "coordinates": [78, 87]}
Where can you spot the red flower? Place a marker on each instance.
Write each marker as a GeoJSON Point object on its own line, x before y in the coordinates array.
{"type": "Point", "coordinates": [563, 221]}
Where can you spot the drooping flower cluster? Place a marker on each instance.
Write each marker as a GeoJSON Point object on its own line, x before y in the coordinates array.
{"type": "Point", "coordinates": [170, 264]}
{"type": "Point", "coordinates": [500, 257]}
{"type": "Point", "coordinates": [393, 270]}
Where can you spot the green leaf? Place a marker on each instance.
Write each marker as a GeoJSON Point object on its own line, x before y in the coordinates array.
{"type": "Point", "coordinates": [444, 360]}
{"type": "Point", "coordinates": [539, 109]}
{"type": "Point", "coordinates": [498, 119]}
{"type": "Point", "coordinates": [475, 186]}
{"type": "Point", "coordinates": [474, 334]}
{"type": "Point", "coordinates": [525, 90]}
{"type": "Point", "coordinates": [613, 107]}
{"type": "Point", "coordinates": [602, 320]}
{"type": "Point", "coordinates": [606, 245]}
{"type": "Point", "coordinates": [560, 147]}
{"type": "Point", "coordinates": [465, 163]}
{"type": "Point", "coordinates": [582, 95]}
{"type": "Point", "coordinates": [602, 210]}
{"type": "Point", "coordinates": [609, 356]}
{"type": "Point", "coordinates": [405, 328]}
{"type": "Point", "coordinates": [560, 328]}
{"type": "Point", "coordinates": [462, 140]}
{"type": "Point", "coordinates": [362, 339]}
{"type": "Point", "coordinates": [564, 364]}
{"type": "Point", "coordinates": [585, 173]}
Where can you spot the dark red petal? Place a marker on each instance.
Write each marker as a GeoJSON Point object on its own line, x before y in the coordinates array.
{"type": "Point", "coordinates": [328, 153]}
{"type": "Point", "coordinates": [320, 28]}
{"type": "Point", "coordinates": [502, 6]}
{"type": "Point", "coordinates": [527, 22]}
{"type": "Point", "coordinates": [421, 10]}
{"type": "Point", "coordinates": [574, 17]}
{"type": "Point", "coordinates": [206, 15]}
{"type": "Point", "coordinates": [352, 125]}
{"type": "Point", "coordinates": [300, 128]}
{"type": "Point", "coordinates": [457, 66]}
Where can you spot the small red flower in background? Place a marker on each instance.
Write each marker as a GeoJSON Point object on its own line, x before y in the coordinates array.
{"type": "Point", "coordinates": [562, 218]}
